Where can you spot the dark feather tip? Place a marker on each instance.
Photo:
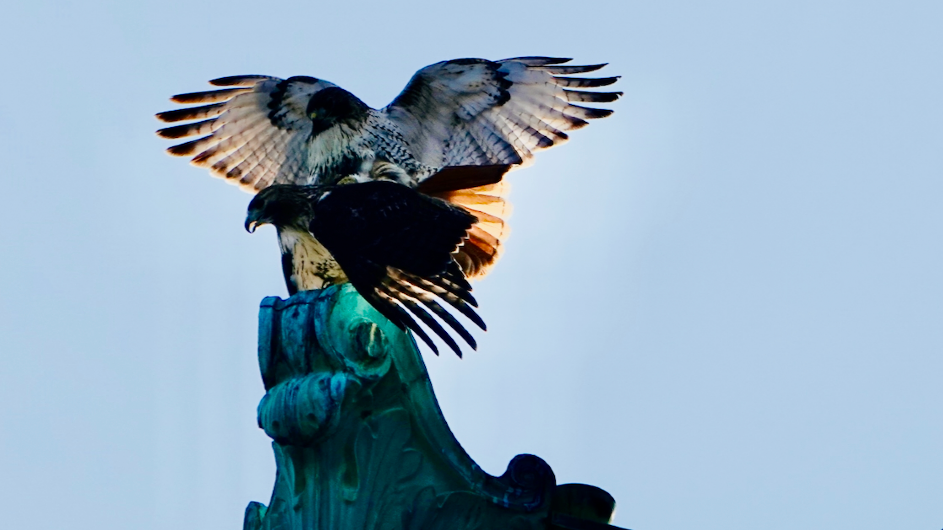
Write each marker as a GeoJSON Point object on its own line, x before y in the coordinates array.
{"type": "Point", "coordinates": [191, 113]}
{"type": "Point", "coordinates": [208, 96]}
{"type": "Point", "coordinates": [567, 70]}
{"type": "Point", "coordinates": [180, 131]}
{"type": "Point", "coordinates": [592, 97]}
{"type": "Point", "coordinates": [186, 148]}
{"type": "Point", "coordinates": [585, 82]}
{"type": "Point", "coordinates": [590, 113]}
{"type": "Point", "coordinates": [239, 80]}
{"type": "Point", "coordinates": [536, 60]}
{"type": "Point", "coordinates": [595, 114]}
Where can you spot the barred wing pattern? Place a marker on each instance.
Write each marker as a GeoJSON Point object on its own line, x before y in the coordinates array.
{"type": "Point", "coordinates": [474, 111]}
{"type": "Point", "coordinates": [254, 134]}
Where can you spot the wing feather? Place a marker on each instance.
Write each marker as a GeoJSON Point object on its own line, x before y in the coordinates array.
{"type": "Point", "coordinates": [570, 70]}
{"type": "Point", "coordinates": [209, 96]}
{"type": "Point", "coordinates": [591, 97]}
{"type": "Point", "coordinates": [412, 304]}
{"type": "Point", "coordinates": [385, 302]}
{"type": "Point", "coordinates": [190, 129]}
{"type": "Point", "coordinates": [251, 133]}
{"type": "Point", "coordinates": [192, 113]}
{"type": "Point", "coordinates": [396, 245]}
{"type": "Point", "coordinates": [428, 300]}
{"type": "Point", "coordinates": [584, 82]}
{"type": "Point", "coordinates": [242, 80]}
{"type": "Point", "coordinates": [489, 205]}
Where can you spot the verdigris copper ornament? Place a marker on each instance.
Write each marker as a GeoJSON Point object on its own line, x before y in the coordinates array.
{"type": "Point", "coordinates": [360, 442]}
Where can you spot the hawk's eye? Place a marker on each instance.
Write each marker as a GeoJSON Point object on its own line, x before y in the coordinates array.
{"type": "Point", "coordinates": [313, 114]}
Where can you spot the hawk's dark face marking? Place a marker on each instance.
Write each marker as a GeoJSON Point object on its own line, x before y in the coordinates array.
{"type": "Point", "coordinates": [334, 105]}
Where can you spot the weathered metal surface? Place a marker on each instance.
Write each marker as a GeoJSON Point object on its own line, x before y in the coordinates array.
{"type": "Point", "coordinates": [360, 442]}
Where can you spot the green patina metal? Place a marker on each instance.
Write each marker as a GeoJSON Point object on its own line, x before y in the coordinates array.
{"type": "Point", "coordinates": [360, 442]}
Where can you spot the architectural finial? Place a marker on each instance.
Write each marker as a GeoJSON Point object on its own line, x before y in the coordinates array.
{"type": "Point", "coordinates": [360, 442]}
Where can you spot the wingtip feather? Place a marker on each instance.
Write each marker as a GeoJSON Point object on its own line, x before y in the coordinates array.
{"type": "Point", "coordinates": [186, 148]}
{"type": "Point", "coordinates": [239, 80]}
{"type": "Point", "coordinates": [585, 82]}
{"type": "Point", "coordinates": [537, 60]}
{"type": "Point", "coordinates": [567, 70]}
{"type": "Point", "coordinates": [207, 96]}
{"type": "Point", "coordinates": [591, 97]}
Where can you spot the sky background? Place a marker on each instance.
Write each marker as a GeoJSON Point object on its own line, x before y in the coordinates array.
{"type": "Point", "coordinates": [723, 304]}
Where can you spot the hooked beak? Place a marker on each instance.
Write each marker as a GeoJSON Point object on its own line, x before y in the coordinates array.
{"type": "Point", "coordinates": [251, 225]}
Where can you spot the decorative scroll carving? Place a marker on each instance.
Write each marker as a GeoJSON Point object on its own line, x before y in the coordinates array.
{"type": "Point", "coordinates": [360, 442]}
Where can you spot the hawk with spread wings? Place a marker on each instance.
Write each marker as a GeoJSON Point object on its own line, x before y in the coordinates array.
{"type": "Point", "coordinates": [451, 134]}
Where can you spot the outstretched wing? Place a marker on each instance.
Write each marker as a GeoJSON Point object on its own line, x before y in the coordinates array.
{"type": "Point", "coordinates": [252, 134]}
{"type": "Point", "coordinates": [396, 247]}
{"type": "Point", "coordinates": [478, 112]}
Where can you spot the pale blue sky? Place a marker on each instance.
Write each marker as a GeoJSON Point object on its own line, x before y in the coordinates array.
{"type": "Point", "coordinates": [722, 304]}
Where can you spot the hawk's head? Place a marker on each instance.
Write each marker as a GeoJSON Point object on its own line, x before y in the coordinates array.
{"type": "Point", "coordinates": [333, 105]}
{"type": "Point", "coordinates": [282, 206]}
